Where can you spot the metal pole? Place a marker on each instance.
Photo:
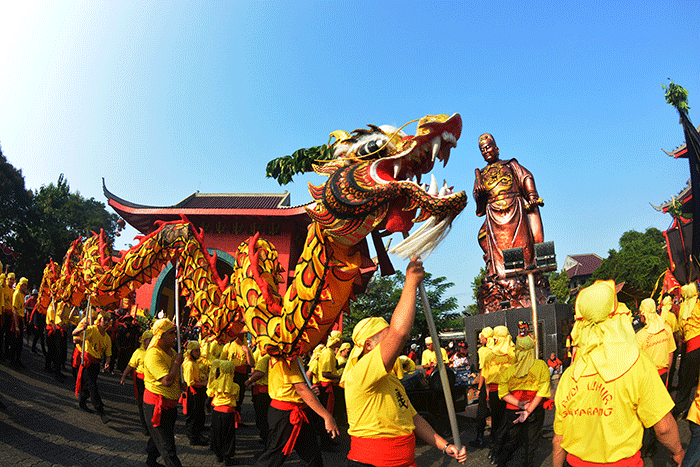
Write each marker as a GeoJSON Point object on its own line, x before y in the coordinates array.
{"type": "Point", "coordinates": [88, 321]}
{"type": "Point", "coordinates": [441, 368]}
{"type": "Point", "coordinates": [177, 306]}
{"type": "Point", "coordinates": [303, 372]}
{"type": "Point", "coordinates": [533, 302]}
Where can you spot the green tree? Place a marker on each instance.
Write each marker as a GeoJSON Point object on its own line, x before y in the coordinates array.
{"type": "Point", "coordinates": [640, 261]}
{"type": "Point", "coordinates": [473, 309]}
{"type": "Point", "coordinates": [383, 294]}
{"type": "Point", "coordinates": [559, 285]}
{"type": "Point", "coordinates": [58, 218]}
{"type": "Point", "coordinates": [15, 208]}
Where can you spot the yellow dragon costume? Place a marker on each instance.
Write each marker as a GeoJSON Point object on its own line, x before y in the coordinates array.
{"type": "Point", "coordinates": [370, 189]}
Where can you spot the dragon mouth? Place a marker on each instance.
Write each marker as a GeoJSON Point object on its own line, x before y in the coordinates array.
{"type": "Point", "coordinates": [416, 155]}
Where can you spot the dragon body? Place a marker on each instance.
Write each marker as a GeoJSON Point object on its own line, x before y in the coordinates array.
{"type": "Point", "coordinates": [370, 189]}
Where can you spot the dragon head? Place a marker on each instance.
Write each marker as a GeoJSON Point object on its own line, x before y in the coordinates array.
{"type": "Point", "coordinates": [375, 179]}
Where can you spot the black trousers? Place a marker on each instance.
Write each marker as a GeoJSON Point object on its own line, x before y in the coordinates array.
{"type": "Point", "coordinates": [482, 411]}
{"type": "Point", "coordinates": [526, 434]}
{"type": "Point", "coordinates": [89, 387]}
{"type": "Point", "coordinates": [16, 341]}
{"type": "Point", "coordinates": [688, 380]}
{"type": "Point", "coordinates": [239, 379]}
{"type": "Point", "coordinates": [39, 323]}
{"type": "Point", "coordinates": [498, 408]}
{"type": "Point", "coordinates": [306, 444]}
{"type": "Point", "coordinates": [194, 423]}
{"type": "Point", "coordinates": [139, 401]}
{"type": "Point", "coordinates": [7, 333]}
{"type": "Point", "coordinates": [223, 434]}
{"type": "Point", "coordinates": [162, 437]}
{"type": "Point", "coordinates": [261, 402]}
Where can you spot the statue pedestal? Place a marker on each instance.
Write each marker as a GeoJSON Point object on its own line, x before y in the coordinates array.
{"type": "Point", "coordinates": [496, 294]}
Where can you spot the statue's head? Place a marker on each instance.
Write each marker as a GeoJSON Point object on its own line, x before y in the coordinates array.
{"type": "Point", "coordinates": [488, 148]}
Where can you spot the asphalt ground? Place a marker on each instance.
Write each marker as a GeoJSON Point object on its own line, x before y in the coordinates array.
{"type": "Point", "coordinates": [43, 426]}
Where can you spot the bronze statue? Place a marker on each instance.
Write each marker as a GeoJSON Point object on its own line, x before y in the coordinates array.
{"type": "Point", "coordinates": [505, 194]}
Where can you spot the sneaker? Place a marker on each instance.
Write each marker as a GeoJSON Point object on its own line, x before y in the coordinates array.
{"type": "Point", "coordinates": [85, 408]}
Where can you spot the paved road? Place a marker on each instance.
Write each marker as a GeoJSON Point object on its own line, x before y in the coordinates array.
{"type": "Point", "coordinates": [44, 427]}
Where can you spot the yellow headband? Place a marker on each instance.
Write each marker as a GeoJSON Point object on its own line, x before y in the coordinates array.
{"type": "Point", "coordinates": [159, 328]}
{"type": "Point", "coordinates": [365, 329]}
{"type": "Point", "coordinates": [333, 338]}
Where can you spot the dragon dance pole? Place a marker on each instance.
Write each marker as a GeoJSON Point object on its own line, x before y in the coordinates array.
{"type": "Point", "coordinates": [177, 306]}
{"type": "Point", "coordinates": [440, 364]}
{"type": "Point", "coordinates": [89, 323]}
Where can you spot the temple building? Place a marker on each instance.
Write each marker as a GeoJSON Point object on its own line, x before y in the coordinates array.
{"type": "Point", "coordinates": [227, 220]}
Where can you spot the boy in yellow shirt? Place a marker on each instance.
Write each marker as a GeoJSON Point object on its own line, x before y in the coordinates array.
{"type": "Point", "coordinates": [194, 374]}
{"type": "Point", "coordinates": [225, 417]}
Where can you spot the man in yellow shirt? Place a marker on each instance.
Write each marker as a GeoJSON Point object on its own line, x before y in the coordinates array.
{"type": "Point", "coordinates": [288, 417]}
{"type": "Point", "coordinates": [656, 337]}
{"type": "Point", "coordinates": [482, 410]}
{"type": "Point", "coordinates": [523, 386]}
{"type": "Point", "coordinates": [611, 391]}
{"type": "Point", "coordinates": [18, 323]}
{"type": "Point", "coordinates": [8, 291]}
{"type": "Point", "coordinates": [328, 381]}
{"type": "Point", "coordinates": [501, 357]}
{"type": "Point", "coordinates": [161, 371]}
{"type": "Point", "coordinates": [383, 423]}
{"type": "Point", "coordinates": [429, 359]}
{"type": "Point", "coordinates": [97, 343]}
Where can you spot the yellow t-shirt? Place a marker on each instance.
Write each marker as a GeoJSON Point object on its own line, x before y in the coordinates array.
{"type": "Point", "coordinates": [230, 399]}
{"type": "Point", "coordinates": [604, 422]}
{"type": "Point", "coordinates": [281, 378]}
{"type": "Point", "coordinates": [430, 359]}
{"type": "Point", "coordinates": [18, 303]}
{"type": "Point", "coordinates": [536, 379]}
{"type": "Point", "coordinates": [658, 346]}
{"type": "Point", "coordinates": [495, 365]}
{"type": "Point", "coordinates": [262, 364]}
{"type": "Point", "coordinates": [691, 326]}
{"type": "Point", "coordinates": [9, 292]}
{"type": "Point", "coordinates": [97, 344]}
{"type": "Point", "coordinates": [380, 407]}
{"type": "Point", "coordinates": [156, 366]}
{"type": "Point", "coordinates": [193, 371]}
{"type": "Point", "coordinates": [313, 370]}
{"type": "Point", "coordinates": [136, 360]}
{"type": "Point", "coordinates": [672, 321]}
{"type": "Point", "coordinates": [327, 363]}
{"type": "Point", "coordinates": [233, 352]}
{"type": "Point", "coordinates": [483, 353]}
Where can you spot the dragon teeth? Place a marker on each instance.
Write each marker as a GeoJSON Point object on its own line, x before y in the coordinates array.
{"type": "Point", "coordinates": [436, 146]}
{"type": "Point", "coordinates": [397, 168]}
{"type": "Point", "coordinates": [433, 191]}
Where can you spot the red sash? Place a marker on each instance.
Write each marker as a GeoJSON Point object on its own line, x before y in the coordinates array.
{"type": "Point", "coordinates": [89, 360]}
{"type": "Point", "coordinates": [330, 402]}
{"type": "Point", "coordinates": [522, 396]}
{"type": "Point", "coordinates": [76, 357]}
{"type": "Point", "coordinates": [241, 369]}
{"type": "Point", "coordinates": [184, 396]}
{"type": "Point", "coordinates": [692, 344]}
{"type": "Point", "coordinates": [297, 416]}
{"type": "Point", "coordinates": [397, 451]}
{"type": "Point", "coordinates": [662, 371]}
{"type": "Point", "coordinates": [634, 461]}
{"type": "Point", "coordinates": [259, 388]}
{"type": "Point", "coordinates": [229, 409]}
{"type": "Point", "coordinates": [493, 387]}
{"type": "Point", "coordinates": [160, 403]}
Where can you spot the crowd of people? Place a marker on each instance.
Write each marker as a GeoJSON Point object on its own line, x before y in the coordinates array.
{"type": "Point", "coordinates": [613, 402]}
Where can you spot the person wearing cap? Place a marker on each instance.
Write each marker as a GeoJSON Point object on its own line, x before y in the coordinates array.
{"type": "Point", "coordinates": [161, 371]}
{"type": "Point", "coordinates": [135, 368]}
{"type": "Point", "coordinates": [482, 410]}
{"type": "Point", "coordinates": [611, 391]}
{"type": "Point", "coordinates": [429, 359]}
{"type": "Point", "coordinates": [689, 371]}
{"type": "Point", "coordinates": [288, 416]}
{"type": "Point", "coordinates": [97, 343]}
{"type": "Point", "coordinates": [341, 413]}
{"type": "Point", "coordinates": [501, 357]}
{"type": "Point", "coordinates": [18, 323]}
{"type": "Point", "coordinates": [225, 417]}
{"type": "Point", "coordinates": [194, 374]}
{"type": "Point", "coordinates": [382, 422]}
{"type": "Point", "coordinates": [261, 396]}
{"type": "Point", "coordinates": [524, 386]}
{"type": "Point", "coordinates": [342, 356]}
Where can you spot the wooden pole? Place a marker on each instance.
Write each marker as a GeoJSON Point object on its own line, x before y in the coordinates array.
{"type": "Point", "coordinates": [177, 306]}
{"type": "Point", "coordinates": [88, 321]}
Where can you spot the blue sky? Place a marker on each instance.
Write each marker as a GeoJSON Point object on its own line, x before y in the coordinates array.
{"type": "Point", "coordinates": [166, 98]}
